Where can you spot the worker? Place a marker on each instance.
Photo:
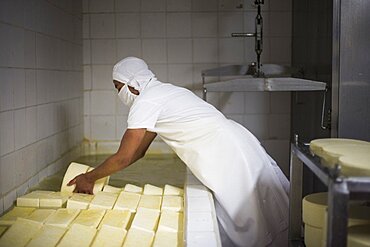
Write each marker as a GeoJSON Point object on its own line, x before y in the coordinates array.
{"type": "Point", "coordinates": [249, 188]}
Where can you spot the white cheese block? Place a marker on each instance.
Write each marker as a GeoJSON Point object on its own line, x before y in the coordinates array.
{"type": "Point", "coordinates": [151, 202]}
{"type": "Point", "coordinates": [103, 200]}
{"type": "Point", "coordinates": [40, 215]}
{"type": "Point", "coordinates": [171, 222]}
{"type": "Point", "coordinates": [173, 203]}
{"type": "Point", "coordinates": [74, 169]}
{"type": "Point", "coordinates": [2, 230]}
{"type": "Point", "coordinates": [63, 217]}
{"type": "Point", "coordinates": [112, 189]}
{"type": "Point", "coordinates": [116, 218]}
{"type": "Point", "coordinates": [317, 146]}
{"type": "Point", "coordinates": [109, 236]}
{"type": "Point", "coordinates": [358, 236]}
{"type": "Point", "coordinates": [170, 190]}
{"type": "Point", "coordinates": [100, 183]}
{"type": "Point", "coordinates": [136, 238]}
{"type": "Point", "coordinates": [133, 188]}
{"type": "Point", "coordinates": [78, 236]}
{"type": "Point", "coordinates": [127, 200]}
{"type": "Point", "coordinates": [152, 190]}
{"type": "Point", "coordinates": [312, 236]}
{"type": "Point", "coordinates": [20, 233]}
{"type": "Point", "coordinates": [32, 199]}
{"type": "Point", "coordinates": [47, 236]}
{"type": "Point", "coordinates": [79, 201]}
{"type": "Point", "coordinates": [167, 239]}
{"type": "Point", "coordinates": [55, 200]}
{"type": "Point", "coordinates": [90, 217]}
{"type": "Point", "coordinates": [17, 212]}
{"type": "Point", "coordinates": [146, 219]}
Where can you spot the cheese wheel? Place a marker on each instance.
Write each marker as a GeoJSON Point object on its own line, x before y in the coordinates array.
{"type": "Point", "coordinates": [355, 164]}
{"type": "Point", "coordinates": [316, 146]}
{"type": "Point", "coordinates": [173, 203]}
{"type": "Point", "coordinates": [312, 236]}
{"type": "Point", "coordinates": [314, 208]}
{"type": "Point", "coordinates": [358, 236]}
{"type": "Point", "coordinates": [332, 153]}
{"type": "Point", "coordinates": [137, 237]}
{"type": "Point", "coordinates": [17, 212]}
{"type": "Point", "coordinates": [78, 236]}
{"type": "Point", "coordinates": [133, 188]}
{"type": "Point", "coordinates": [20, 233]}
{"type": "Point", "coordinates": [150, 202]}
{"type": "Point", "coordinates": [116, 218]}
{"type": "Point", "coordinates": [100, 183]}
{"type": "Point", "coordinates": [170, 221]}
{"type": "Point", "coordinates": [170, 190]}
{"type": "Point", "coordinates": [152, 190]}
{"type": "Point", "coordinates": [146, 219]}
{"type": "Point", "coordinates": [47, 236]}
{"type": "Point", "coordinates": [110, 236]}
{"type": "Point", "coordinates": [74, 169]}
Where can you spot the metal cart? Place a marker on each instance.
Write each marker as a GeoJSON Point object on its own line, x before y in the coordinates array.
{"type": "Point", "coordinates": [340, 190]}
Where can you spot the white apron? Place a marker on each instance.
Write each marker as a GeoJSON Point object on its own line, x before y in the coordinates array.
{"type": "Point", "coordinates": [252, 205]}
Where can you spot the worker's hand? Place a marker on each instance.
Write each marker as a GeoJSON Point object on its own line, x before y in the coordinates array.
{"type": "Point", "coordinates": [83, 184]}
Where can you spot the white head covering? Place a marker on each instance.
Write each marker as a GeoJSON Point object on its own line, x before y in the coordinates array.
{"type": "Point", "coordinates": [133, 71]}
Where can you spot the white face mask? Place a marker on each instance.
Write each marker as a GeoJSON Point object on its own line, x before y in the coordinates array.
{"type": "Point", "coordinates": [126, 96]}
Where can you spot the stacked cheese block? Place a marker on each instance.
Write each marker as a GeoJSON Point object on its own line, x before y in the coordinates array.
{"type": "Point", "coordinates": [129, 216]}
{"type": "Point", "coordinates": [314, 215]}
{"type": "Point", "coordinates": [352, 155]}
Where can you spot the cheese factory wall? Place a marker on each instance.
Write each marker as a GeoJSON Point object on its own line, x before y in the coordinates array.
{"type": "Point", "coordinates": [41, 113]}
{"type": "Point", "coordinates": [178, 39]}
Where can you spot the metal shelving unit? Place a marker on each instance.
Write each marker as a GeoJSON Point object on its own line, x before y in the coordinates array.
{"type": "Point", "coordinates": [340, 190]}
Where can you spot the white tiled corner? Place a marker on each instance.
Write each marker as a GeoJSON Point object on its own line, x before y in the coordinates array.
{"type": "Point", "coordinates": [87, 104]}
{"type": "Point", "coordinates": [179, 50]}
{"type": "Point", "coordinates": [30, 159]}
{"type": "Point", "coordinates": [9, 199]}
{"type": "Point", "coordinates": [257, 124]}
{"type": "Point", "coordinates": [6, 88]}
{"type": "Point", "coordinates": [204, 24]}
{"type": "Point", "coordinates": [103, 51]}
{"type": "Point", "coordinates": [87, 77]}
{"type": "Point", "coordinates": [86, 26]}
{"type": "Point", "coordinates": [205, 50]}
{"type": "Point", "coordinates": [230, 22]}
{"type": "Point", "coordinates": [178, 5]}
{"type": "Point", "coordinates": [22, 189]}
{"type": "Point", "coordinates": [153, 25]}
{"type": "Point", "coordinates": [29, 49]}
{"type": "Point", "coordinates": [86, 56]}
{"type": "Point", "coordinates": [101, 6]}
{"type": "Point", "coordinates": [102, 26]}
{"type": "Point", "coordinates": [6, 132]}
{"type": "Point", "coordinates": [87, 129]}
{"type": "Point", "coordinates": [103, 128]}
{"type": "Point", "coordinates": [20, 129]}
{"type": "Point", "coordinates": [127, 5]}
{"type": "Point", "coordinates": [30, 79]}
{"type": "Point", "coordinates": [231, 50]}
{"type": "Point", "coordinates": [102, 102]}
{"type": "Point", "coordinates": [128, 47]}
{"type": "Point", "coordinates": [128, 25]}
{"type": "Point", "coordinates": [232, 103]}
{"type": "Point", "coordinates": [8, 173]}
{"type": "Point", "coordinates": [21, 171]}
{"type": "Point", "coordinates": [257, 102]}
{"type": "Point", "coordinates": [102, 77]}
{"type": "Point", "coordinates": [153, 5]}
{"type": "Point", "coordinates": [181, 75]}
{"type": "Point", "coordinates": [179, 25]}
{"type": "Point", "coordinates": [154, 50]}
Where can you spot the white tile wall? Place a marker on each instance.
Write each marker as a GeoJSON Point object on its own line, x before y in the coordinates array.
{"type": "Point", "coordinates": [102, 26]}
{"type": "Point", "coordinates": [40, 91]}
{"type": "Point", "coordinates": [128, 25]}
{"type": "Point", "coordinates": [179, 25]}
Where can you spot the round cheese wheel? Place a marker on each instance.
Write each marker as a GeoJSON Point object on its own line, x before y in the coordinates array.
{"type": "Point", "coordinates": [317, 145]}
{"type": "Point", "coordinates": [313, 209]}
{"type": "Point", "coordinates": [332, 153]}
{"type": "Point", "coordinates": [358, 236]}
{"type": "Point", "coordinates": [312, 236]}
{"type": "Point", "coordinates": [355, 164]}
{"type": "Point", "coordinates": [74, 169]}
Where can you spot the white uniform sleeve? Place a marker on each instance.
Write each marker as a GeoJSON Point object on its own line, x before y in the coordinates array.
{"type": "Point", "coordinates": [143, 114]}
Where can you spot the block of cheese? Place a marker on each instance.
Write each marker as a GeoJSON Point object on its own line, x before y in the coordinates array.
{"type": "Point", "coordinates": [20, 233]}
{"type": "Point", "coordinates": [313, 209]}
{"type": "Point", "coordinates": [2, 230]}
{"type": "Point", "coordinates": [331, 154]}
{"type": "Point", "coordinates": [73, 170]}
{"type": "Point", "coordinates": [312, 236]}
{"type": "Point", "coordinates": [79, 201]}
{"type": "Point", "coordinates": [47, 236]}
{"type": "Point", "coordinates": [17, 212]}
{"type": "Point", "coordinates": [170, 190]}
{"type": "Point", "coordinates": [127, 200]}
{"type": "Point", "coordinates": [171, 221]}
{"type": "Point", "coordinates": [116, 218]}
{"type": "Point", "coordinates": [167, 239]}
{"type": "Point", "coordinates": [358, 236]}
{"type": "Point", "coordinates": [152, 190]}
{"type": "Point", "coordinates": [32, 199]}
{"type": "Point", "coordinates": [55, 200]}
{"type": "Point", "coordinates": [62, 217]}
{"type": "Point", "coordinates": [112, 189]}
{"type": "Point", "coordinates": [146, 219]}
{"type": "Point", "coordinates": [173, 203]}
{"type": "Point", "coordinates": [109, 236]}
{"type": "Point", "coordinates": [90, 217]}
{"type": "Point", "coordinates": [103, 200]}
{"type": "Point", "coordinates": [133, 188]}
{"type": "Point", "coordinates": [100, 183]}
{"type": "Point", "coordinates": [151, 202]}
{"type": "Point", "coordinates": [317, 146]}
{"type": "Point", "coordinates": [78, 236]}
{"type": "Point", "coordinates": [40, 215]}
{"type": "Point", "coordinates": [137, 237]}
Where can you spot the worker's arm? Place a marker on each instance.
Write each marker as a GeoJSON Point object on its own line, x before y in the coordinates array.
{"type": "Point", "coordinates": [133, 146]}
